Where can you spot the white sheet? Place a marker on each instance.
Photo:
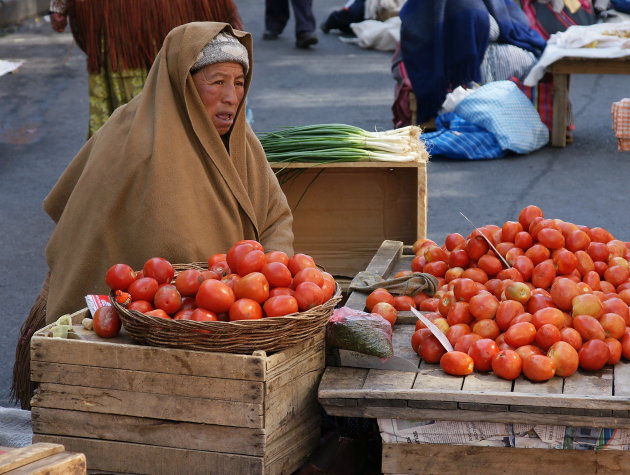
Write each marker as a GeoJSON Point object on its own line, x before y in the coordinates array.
{"type": "Point", "coordinates": [604, 40]}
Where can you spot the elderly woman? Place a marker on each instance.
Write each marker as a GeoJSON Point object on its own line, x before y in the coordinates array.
{"type": "Point", "coordinates": [176, 173]}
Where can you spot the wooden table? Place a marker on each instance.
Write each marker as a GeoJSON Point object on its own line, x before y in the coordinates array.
{"type": "Point", "coordinates": [561, 71]}
{"type": "Point", "coordinates": [586, 399]}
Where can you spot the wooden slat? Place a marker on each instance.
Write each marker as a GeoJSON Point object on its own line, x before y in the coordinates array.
{"type": "Point", "coordinates": [591, 66]}
{"type": "Point", "coordinates": [285, 366]}
{"type": "Point", "coordinates": [621, 373]}
{"type": "Point", "coordinates": [139, 458]}
{"type": "Point", "coordinates": [383, 380]}
{"type": "Point", "coordinates": [453, 459]}
{"type": "Point", "coordinates": [149, 382]}
{"type": "Point", "coordinates": [18, 457]}
{"type": "Point", "coordinates": [342, 378]}
{"type": "Point", "coordinates": [64, 463]}
{"type": "Point", "coordinates": [524, 385]}
{"type": "Point", "coordinates": [158, 406]}
{"type": "Point", "coordinates": [159, 432]}
{"type": "Point", "coordinates": [143, 358]}
{"type": "Point", "coordinates": [586, 401]}
{"type": "Point", "coordinates": [401, 341]}
{"type": "Point", "coordinates": [504, 417]}
{"type": "Point", "coordinates": [381, 265]}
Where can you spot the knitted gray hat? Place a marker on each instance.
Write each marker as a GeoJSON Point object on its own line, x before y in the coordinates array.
{"type": "Point", "coordinates": [223, 48]}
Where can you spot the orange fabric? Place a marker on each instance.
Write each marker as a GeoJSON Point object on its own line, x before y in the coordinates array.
{"type": "Point", "coordinates": [157, 180]}
{"type": "Point", "coordinates": [621, 123]}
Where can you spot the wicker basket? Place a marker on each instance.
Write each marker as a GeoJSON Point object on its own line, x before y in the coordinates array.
{"type": "Point", "coordinates": [243, 336]}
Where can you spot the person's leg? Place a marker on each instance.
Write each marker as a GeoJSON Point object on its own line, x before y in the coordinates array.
{"type": "Point", "coordinates": [304, 23]}
{"type": "Point", "coordinates": [276, 18]}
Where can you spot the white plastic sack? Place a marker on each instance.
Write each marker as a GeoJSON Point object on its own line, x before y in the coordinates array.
{"type": "Point", "coordinates": [380, 35]}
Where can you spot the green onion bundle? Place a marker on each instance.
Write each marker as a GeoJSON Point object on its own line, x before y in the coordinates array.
{"type": "Point", "coordinates": [343, 143]}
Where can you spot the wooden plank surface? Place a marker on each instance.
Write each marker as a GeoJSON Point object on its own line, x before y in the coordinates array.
{"type": "Point", "coordinates": [157, 406]}
{"type": "Point", "coordinates": [149, 382]}
{"type": "Point", "coordinates": [591, 66]}
{"type": "Point", "coordinates": [63, 463]}
{"type": "Point", "coordinates": [143, 358]}
{"type": "Point", "coordinates": [17, 457]}
{"type": "Point", "coordinates": [122, 457]}
{"type": "Point", "coordinates": [456, 459]}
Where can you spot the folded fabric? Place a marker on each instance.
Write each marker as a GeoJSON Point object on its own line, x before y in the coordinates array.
{"type": "Point", "coordinates": [460, 139]}
{"type": "Point", "coordinates": [502, 109]}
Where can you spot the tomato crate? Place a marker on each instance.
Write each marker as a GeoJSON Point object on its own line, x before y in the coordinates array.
{"type": "Point", "coordinates": [343, 211]}
{"type": "Point", "coordinates": [141, 409]}
{"type": "Point", "coordinates": [586, 399]}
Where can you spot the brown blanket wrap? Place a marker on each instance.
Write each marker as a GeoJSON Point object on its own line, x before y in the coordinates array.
{"type": "Point", "coordinates": [157, 180]}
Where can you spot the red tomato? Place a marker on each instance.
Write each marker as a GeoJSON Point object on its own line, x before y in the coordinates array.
{"type": "Point", "coordinates": [308, 295]}
{"type": "Point", "coordinates": [329, 286]}
{"type": "Point", "coordinates": [625, 346]}
{"type": "Point", "coordinates": [507, 364]}
{"type": "Point", "coordinates": [538, 368]}
{"type": "Point", "coordinates": [463, 342]}
{"type": "Point", "coordinates": [168, 299]}
{"type": "Point", "coordinates": [455, 332]}
{"type": "Point", "coordinates": [221, 269]}
{"type": "Point", "coordinates": [430, 349]}
{"type": "Point", "coordinates": [378, 295]}
{"type": "Point", "coordinates": [297, 262]}
{"type": "Point", "coordinates": [527, 215]}
{"type": "Point", "coordinates": [565, 357]}
{"type": "Point", "coordinates": [546, 336]}
{"type": "Point", "coordinates": [215, 295]}
{"type": "Point", "coordinates": [280, 305]}
{"type": "Point", "coordinates": [160, 269]}
{"type": "Point", "coordinates": [252, 261]}
{"type": "Point", "coordinates": [615, 350]}
{"type": "Point", "coordinates": [245, 309]}
{"type": "Point", "coordinates": [308, 274]}
{"type": "Point", "coordinates": [183, 314]}
{"type": "Point", "coordinates": [216, 258]}
{"type": "Point", "coordinates": [281, 291]}
{"type": "Point", "coordinates": [252, 286]}
{"type": "Point", "coordinates": [143, 289]}
{"type": "Point", "coordinates": [231, 280]}
{"type": "Point", "coordinates": [203, 315]}
{"type": "Point", "coordinates": [572, 337]}
{"type": "Point", "coordinates": [119, 277]}
{"type": "Point", "coordinates": [236, 252]}
{"type": "Point", "coordinates": [142, 306]}
{"type": "Point", "coordinates": [589, 327]}
{"type": "Point", "coordinates": [208, 274]}
{"type": "Point", "coordinates": [528, 350]}
{"type": "Point", "coordinates": [387, 311]}
{"type": "Point", "coordinates": [158, 312]}
{"type": "Point", "coordinates": [519, 334]}
{"type": "Point", "coordinates": [594, 355]}
{"type": "Point", "coordinates": [188, 303]}
{"type": "Point", "coordinates": [457, 363]}
{"type": "Point", "coordinates": [188, 282]}
{"type": "Point", "coordinates": [277, 274]}
{"type": "Point", "coordinates": [482, 351]}
{"type": "Point", "coordinates": [255, 244]}
{"type": "Point", "coordinates": [277, 256]}
{"type": "Point", "coordinates": [404, 302]}
{"type": "Point", "coordinates": [106, 322]}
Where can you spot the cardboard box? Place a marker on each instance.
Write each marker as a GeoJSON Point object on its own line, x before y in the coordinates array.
{"type": "Point", "coordinates": [141, 409]}
{"type": "Point", "coordinates": [344, 211]}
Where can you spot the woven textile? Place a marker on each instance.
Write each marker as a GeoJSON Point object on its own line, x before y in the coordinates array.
{"type": "Point", "coordinates": [501, 108]}
{"type": "Point", "coordinates": [621, 123]}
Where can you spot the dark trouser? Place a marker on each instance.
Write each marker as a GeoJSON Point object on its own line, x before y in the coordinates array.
{"type": "Point", "coordinates": [277, 15]}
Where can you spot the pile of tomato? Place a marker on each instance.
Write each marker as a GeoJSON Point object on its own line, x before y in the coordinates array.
{"type": "Point", "coordinates": [245, 283]}
{"type": "Point", "coordinates": [560, 303]}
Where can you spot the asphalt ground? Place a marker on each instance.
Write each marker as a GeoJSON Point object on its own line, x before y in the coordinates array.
{"type": "Point", "coordinates": [43, 123]}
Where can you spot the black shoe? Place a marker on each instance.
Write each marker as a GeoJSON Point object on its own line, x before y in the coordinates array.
{"type": "Point", "coordinates": [324, 27]}
{"type": "Point", "coordinates": [270, 35]}
{"type": "Point", "coordinates": [305, 39]}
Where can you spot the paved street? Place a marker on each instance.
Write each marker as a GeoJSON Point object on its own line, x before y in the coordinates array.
{"type": "Point", "coordinates": [43, 123]}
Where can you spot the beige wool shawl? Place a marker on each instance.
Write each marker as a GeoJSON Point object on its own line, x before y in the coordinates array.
{"type": "Point", "coordinates": [157, 180]}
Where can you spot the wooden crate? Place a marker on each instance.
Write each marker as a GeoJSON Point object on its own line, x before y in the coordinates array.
{"type": "Point", "coordinates": [41, 459]}
{"type": "Point", "coordinates": [343, 211]}
{"type": "Point", "coordinates": [585, 399]}
{"type": "Point", "coordinates": [141, 409]}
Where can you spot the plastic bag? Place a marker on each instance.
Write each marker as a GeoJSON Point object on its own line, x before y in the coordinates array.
{"type": "Point", "coordinates": [359, 331]}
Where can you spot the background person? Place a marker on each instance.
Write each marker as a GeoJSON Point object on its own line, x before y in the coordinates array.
{"type": "Point", "coordinates": [277, 16]}
{"type": "Point", "coordinates": [175, 173]}
{"type": "Point", "coordinates": [121, 39]}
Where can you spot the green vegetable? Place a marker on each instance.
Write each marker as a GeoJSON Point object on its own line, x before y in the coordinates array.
{"type": "Point", "coordinates": [343, 143]}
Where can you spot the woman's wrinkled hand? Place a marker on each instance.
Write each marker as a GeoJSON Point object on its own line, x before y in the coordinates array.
{"type": "Point", "coordinates": [58, 22]}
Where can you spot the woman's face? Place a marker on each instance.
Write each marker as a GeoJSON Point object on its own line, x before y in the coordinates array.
{"type": "Point", "coordinates": [221, 87]}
